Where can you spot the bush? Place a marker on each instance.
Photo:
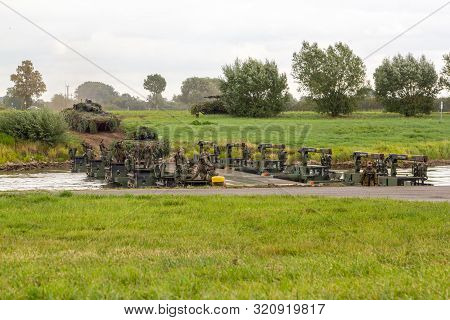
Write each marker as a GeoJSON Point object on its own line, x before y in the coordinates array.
{"type": "Point", "coordinates": [35, 125]}
{"type": "Point", "coordinates": [144, 133]}
{"type": "Point", "coordinates": [209, 107]}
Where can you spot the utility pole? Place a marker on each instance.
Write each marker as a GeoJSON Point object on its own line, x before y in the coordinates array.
{"type": "Point", "coordinates": [67, 96]}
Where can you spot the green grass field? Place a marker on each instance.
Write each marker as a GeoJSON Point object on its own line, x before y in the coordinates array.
{"type": "Point", "coordinates": [368, 131]}
{"type": "Point", "coordinates": [168, 247]}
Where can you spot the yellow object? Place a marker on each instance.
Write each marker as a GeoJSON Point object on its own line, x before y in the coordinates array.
{"type": "Point", "coordinates": [218, 181]}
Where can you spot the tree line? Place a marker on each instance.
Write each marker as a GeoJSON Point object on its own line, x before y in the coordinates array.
{"type": "Point", "coordinates": [332, 79]}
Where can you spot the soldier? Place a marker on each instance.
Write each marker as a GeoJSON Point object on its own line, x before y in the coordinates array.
{"type": "Point", "coordinates": [181, 164]}
{"type": "Point", "coordinates": [325, 160]}
{"type": "Point", "coordinates": [358, 164]}
{"type": "Point", "coordinates": [103, 150]}
{"type": "Point", "coordinates": [245, 153]}
{"type": "Point", "coordinates": [88, 151]}
{"type": "Point", "coordinates": [282, 157]}
{"type": "Point", "coordinates": [205, 169]}
{"type": "Point", "coordinates": [369, 176]}
{"type": "Point", "coordinates": [130, 161]}
{"type": "Point", "coordinates": [148, 155]}
{"type": "Point", "coordinates": [119, 152]}
{"type": "Point", "coordinates": [72, 153]}
{"type": "Point", "coordinates": [420, 169]}
{"type": "Point", "coordinates": [216, 153]}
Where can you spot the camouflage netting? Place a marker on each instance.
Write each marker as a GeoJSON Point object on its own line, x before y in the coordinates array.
{"type": "Point", "coordinates": [159, 148]}
{"type": "Point", "coordinates": [89, 117]}
{"type": "Point", "coordinates": [144, 133]}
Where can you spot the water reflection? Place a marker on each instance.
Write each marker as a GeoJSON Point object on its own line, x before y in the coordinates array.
{"type": "Point", "coordinates": [49, 180]}
{"type": "Point", "coordinates": [63, 180]}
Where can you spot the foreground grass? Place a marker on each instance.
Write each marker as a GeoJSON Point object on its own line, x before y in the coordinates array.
{"type": "Point", "coordinates": [367, 131]}
{"type": "Point", "coordinates": [168, 247]}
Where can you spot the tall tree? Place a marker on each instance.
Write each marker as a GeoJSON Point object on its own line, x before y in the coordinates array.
{"type": "Point", "coordinates": [445, 75]}
{"type": "Point", "coordinates": [406, 85]}
{"type": "Point", "coordinates": [28, 83]}
{"type": "Point", "coordinates": [332, 78]}
{"type": "Point", "coordinates": [253, 88]}
{"type": "Point", "coordinates": [156, 84]}
{"type": "Point", "coordinates": [195, 89]}
{"type": "Point", "coordinates": [96, 91]}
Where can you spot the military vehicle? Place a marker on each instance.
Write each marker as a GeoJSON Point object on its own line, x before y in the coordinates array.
{"type": "Point", "coordinates": [95, 169]}
{"type": "Point", "coordinates": [78, 163]}
{"type": "Point", "coordinates": [230, 162]}
{"type": "Point", "coordinates": [213, 150]}
{"type": "Point", "coordinates": [89, 117]}
{"type": "Point", "coordinates": [304, 171]}
{"type": "Point", "coordinates": [266, 164]}
{"type": "Point", "coordinates": [418, 171]}
{"type": "Point", "coordinates": [353, 177]}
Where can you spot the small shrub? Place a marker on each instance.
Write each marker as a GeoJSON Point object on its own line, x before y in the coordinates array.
{"type": "Point", "coordinates": [144, 133]}
{"type": "Point", "coordinates": [35, 125]}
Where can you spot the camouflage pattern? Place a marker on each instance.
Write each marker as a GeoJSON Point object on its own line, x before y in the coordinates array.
{"type": "Point", "coordinates": [89, 117]}
{"type": "Point", "coordinates": [369, 176]}
{"type": "Point", "coordinates": [204, 169]}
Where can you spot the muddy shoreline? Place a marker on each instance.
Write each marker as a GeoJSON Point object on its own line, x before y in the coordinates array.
{"type": "Point", "coordinates": [29, 166]}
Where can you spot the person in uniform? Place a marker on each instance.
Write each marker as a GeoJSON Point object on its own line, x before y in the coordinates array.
{"type": "Point", "coordinates": [205, 169]}
{"type": "Point", "coordinates": [88, 151]}
{"type": "Point", "coordinates": [245, 153]}
{"type": "Point", "coordinates": [369, 176]}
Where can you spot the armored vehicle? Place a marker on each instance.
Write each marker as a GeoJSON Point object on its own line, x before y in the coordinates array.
{"type": "Point", "coordinates": [89, 117]}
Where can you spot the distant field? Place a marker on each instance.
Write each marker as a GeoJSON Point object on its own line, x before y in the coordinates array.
{"type": "Point", "coordinates": [169, 247]}
{"type": "Point", "coordinates": [368, 131]}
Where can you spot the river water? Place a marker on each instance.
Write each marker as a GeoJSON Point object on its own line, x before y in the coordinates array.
{"type": "Point", "coordinates": [64, 180]}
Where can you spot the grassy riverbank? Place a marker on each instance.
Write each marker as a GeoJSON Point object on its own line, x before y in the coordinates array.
{"type": "Point", "coordinates": [367, 131]}
{"type": "Point", "coordinates": [16, 151]}
{"type": "Point", "coordinates": [173, 247]}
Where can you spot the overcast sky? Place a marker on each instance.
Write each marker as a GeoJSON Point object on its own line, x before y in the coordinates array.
{"type": "Point", "coordinates": [180, 39]}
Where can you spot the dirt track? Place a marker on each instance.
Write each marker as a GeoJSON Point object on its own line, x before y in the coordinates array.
{"type": "Point", "coordinates": [427, 193]}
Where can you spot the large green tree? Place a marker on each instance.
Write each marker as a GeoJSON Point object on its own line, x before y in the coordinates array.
{"type": "Point", "coordinates": [28, 83]}
{"type": "Point", "coordinates": [331, 77]}
{"type": "Point", "coordinates": [445, 76]}
{"type": "Point", "coordinates": [406, 85]}
{"type": "Point", "coordinates": [253, 88]}
{"type": "Point", "coordinates": [195, 89]}
{"type": "Point", "coordinates": [156, 84]}
{"type": "Point", "coordinates": [96, 91]}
